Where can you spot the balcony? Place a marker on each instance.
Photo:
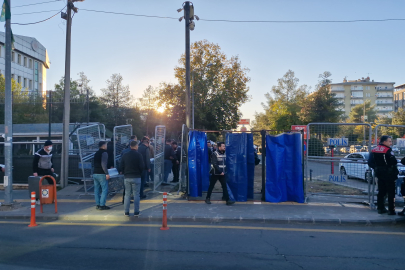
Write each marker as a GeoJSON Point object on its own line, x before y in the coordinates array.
{"type": "Point", "coordinates": [357, 97]}
{"type": "Point", "coordinates": [384, 103]}
{"type": "Point", "coordinates": [384, 89]}
{"type": "Point", "coordinates": [339, 96]}
{"type": "Point", "coordinates": [384, 96]}
{"type": "Point", "coordinates": [338, 90]}
{"type": "Point", "coordinates": [356, 89]}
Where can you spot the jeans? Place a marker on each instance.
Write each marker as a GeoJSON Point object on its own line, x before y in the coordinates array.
{"type": "Point", "coordinates": [132, 185]}
{"type": "Point", "coordinates": [100, 181]}
{"type": "Point", "coordinates": [213, 180]}
{"type": "Point", "coordinates": [144, 178]}
{"type": "Point", "coordinates": [167, 169]}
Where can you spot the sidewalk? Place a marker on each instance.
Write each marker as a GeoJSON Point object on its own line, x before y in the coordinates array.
{"type": "Point", "coordinates": [326, 210]}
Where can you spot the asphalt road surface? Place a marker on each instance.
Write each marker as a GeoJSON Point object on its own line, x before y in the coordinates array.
{"type": "Point", "coordinates": [198, 246]}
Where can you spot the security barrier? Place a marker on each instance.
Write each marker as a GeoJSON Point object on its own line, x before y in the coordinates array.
{"type": "Point", "coordinates": [122, 136]}
{"type": "Point", "coordinates": [336, 161]}
{"type": "Point", "coordinates": [160, 137]}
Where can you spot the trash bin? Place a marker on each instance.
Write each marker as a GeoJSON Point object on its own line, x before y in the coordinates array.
{"type": "Point", "coordinates": [47, 194]}
{"type": "Point", "coordinates": [33, 185]}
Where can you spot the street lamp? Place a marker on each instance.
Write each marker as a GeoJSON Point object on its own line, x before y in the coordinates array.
{"type": "Point", "coordinates": [192, 89]}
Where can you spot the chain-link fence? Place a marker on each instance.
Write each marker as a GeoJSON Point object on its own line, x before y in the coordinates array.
{"type": "Point", "coordinates": [159, 161]}
{"type": "Point", "coordinates": [122, 136]}
{"type": "Point", "coordinates": [88, 138]}
{"type": "Point", "coordinates": [336, 162]}
{"type": "Point", "coordinates": [397, 133]}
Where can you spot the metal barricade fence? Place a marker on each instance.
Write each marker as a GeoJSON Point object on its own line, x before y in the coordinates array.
{"type": "Point", "coordinates": [159, 161]}
{"type": "Point", "coordinates": [336, 160]}
{"type": "Point", "coordinates": [88, 138]}
{"type": "Point", "coordinates": [122, 136]}
{"type": "Point", "coordinates": [183, 185]}
{"type": "Point", "coordinates": [397, 133]}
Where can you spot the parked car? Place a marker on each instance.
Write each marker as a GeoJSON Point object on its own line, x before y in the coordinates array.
{"type": "Point", "coordinates": [355, 165]}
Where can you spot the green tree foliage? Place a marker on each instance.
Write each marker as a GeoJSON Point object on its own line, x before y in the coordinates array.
{"type": "Point", "coordinates": [315, 147]}
{"type": "Point", "coordinates": [27, 108]}
{"type": "Point", "coordinates": [358, 111]}
{"type": "Point", "coordinates": [399, 117]}
{"type": "Point", "coordinates": [219, 90]}
{"type": "Point", "coordinates": [148, 106]}
{"type": "Point", "coordinates": [283, 104]}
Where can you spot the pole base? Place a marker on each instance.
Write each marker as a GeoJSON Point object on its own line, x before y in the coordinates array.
{"type": "Point", "coordinates": [33, 225]}
{"type": "Point", "coordinates": [164, 228]}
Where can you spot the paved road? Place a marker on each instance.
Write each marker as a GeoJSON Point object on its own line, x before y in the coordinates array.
{"type": "Point", "coordinates": [186, 246]}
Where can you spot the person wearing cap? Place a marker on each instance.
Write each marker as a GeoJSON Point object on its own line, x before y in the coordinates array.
{"type": "Point", "coordinates": [43, 162]}
{"type": "Point", "coordinates": [100, 176]}
{"type": "Point", "coordinates": [384, 163]}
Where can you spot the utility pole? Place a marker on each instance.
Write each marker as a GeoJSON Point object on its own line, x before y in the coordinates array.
{"type": "Point", "coordinates": [50, 114]}
{"type": "Point", "coordinates": [88, 107]}
{"type": "Point", "coordinates": [187, 22]}
{"type": "Point", "coordinates": [8, 119]}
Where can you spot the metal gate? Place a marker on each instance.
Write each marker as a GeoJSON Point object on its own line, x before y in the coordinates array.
{"type": "Point", "coordinates": [183, 185]}
{"type": "Point", "coordinates": [336, 160]}
{"type": "Point", "coordinates": [160, 137]}
{"type": "Point", "coordinates": [397, 133]}
{"type": "Point", "coordinates": [122, 136]}
{"type": "Point", "coordinates": [87, 139]}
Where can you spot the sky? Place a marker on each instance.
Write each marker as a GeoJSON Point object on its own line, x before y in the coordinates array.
{"type": "Point", "coordinates": [146, 50]}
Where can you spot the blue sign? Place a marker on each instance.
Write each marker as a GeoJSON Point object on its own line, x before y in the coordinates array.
{"type": "Point", "coordinates": [337, 178]}
{"type": "Point", "coordinates": [338, 141]}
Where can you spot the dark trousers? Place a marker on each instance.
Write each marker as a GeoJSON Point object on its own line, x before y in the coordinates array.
{"type": "Point", "coordinates": [144, 178]}
{"type": "Point", "coordinates": [176, 172]}
{"type": "Point", "coordinates": [222, 180]}
{"type": "Point", "coordinates": [386, 187]}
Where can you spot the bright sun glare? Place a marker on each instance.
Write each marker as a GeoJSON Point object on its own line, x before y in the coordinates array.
{"type": "Point", "coordinates": [161, 109]}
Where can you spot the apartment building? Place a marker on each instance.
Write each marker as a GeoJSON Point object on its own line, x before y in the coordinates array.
{"type": "Point", "coordinates": [353, 92]}
{"type": "Point", "coordinates": [399, 97]}
{"type": "Point", "coordinates": [29, 62]}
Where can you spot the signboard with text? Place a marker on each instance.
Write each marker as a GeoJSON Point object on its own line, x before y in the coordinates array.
{"type": "Point", "coordinates": [338, 141]}
{"type": "Point", "coordinates": [244, 122]}
{"type": "Point", "coordinates": [300, 127]}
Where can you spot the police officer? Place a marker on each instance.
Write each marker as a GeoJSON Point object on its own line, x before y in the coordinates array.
{"type": "Point", "coordinates": [218, 160]}
{"type": "Point", "coordinates": [384, 163]}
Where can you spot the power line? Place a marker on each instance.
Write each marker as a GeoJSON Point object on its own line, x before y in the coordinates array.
{"type": "Point", "coordinates": [248, 21]}
{"type": "Point", "coordinates": [36, 12]}
{"type": "Point", "coordinates": [42, 20]}
{"type": "Point", "coordinates": [37, 4]}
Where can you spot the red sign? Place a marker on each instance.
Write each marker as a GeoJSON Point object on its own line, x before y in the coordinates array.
{"type": "Point", "coordinates": [300, 127]}
{"type": "Point", "coordinates": [244, 122]}
{"type": "Point", "coordinates": [243, 129]}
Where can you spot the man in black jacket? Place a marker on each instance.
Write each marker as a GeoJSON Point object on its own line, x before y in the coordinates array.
{"type": "Point", "coordinates": [144, 151]}
{"type": "Point", "coordinates": [384, 163]}
{"type": "Point", "coordinates": [132, 166]}
{"type": "Point", "coordinates": [100, 176]}
{"type": "Point", "coordinates": [43, 162]}
{"type": "Point", "coordinates": [218, 160]}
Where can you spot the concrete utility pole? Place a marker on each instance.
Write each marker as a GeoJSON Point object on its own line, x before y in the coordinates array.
{"type": "Point", "coordinates": [187, 21]}
{"type": "Point", "coordinates": [8, 120]}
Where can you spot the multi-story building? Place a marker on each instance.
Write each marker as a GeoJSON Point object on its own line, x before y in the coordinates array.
{"type": "Point", "coordinates": [399, 97]}
{"type": "Point", "coordinates": [29, 62]}
{"type": "Point", "coordinates": [353, 92]}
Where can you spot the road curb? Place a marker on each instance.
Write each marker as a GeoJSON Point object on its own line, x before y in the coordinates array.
{"type": "Point", "coordinates": [81, 218]}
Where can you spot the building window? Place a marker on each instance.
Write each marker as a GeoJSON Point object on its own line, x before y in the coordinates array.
{"type": "Point", "coordinates": [12, 76]}
{"type": "Point", "coordinates": [25, 61]}
{"type": "Point", "coordinates": [30, 63]}
{"type": "Point", "coordinates": [19, 59]}
{"type": "Point", "coordinates": [25, 83]}
{"type": "Point", "coordinates": [36, 71]}
{"type": "Point", "coordinates": [30, 85]}
{"type": "Point", "coordinates": [19, 79]}
{"type": "Point", "coordinates": [12, 56]}
{"type": "Point", "coordinates": [0, 51]}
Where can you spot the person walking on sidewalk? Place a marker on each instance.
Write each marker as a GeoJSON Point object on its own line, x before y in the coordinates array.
{"type": "Point", "coordinates": [100, 176]}
{"type": "Point", "coordinates": [218, 160]}
{"type": "Point", "coordinates": [168, 163]}
{"type": "Point", "coordinates": [144, 151]}
{"type": "Point", "coordinates": [132, 166]}
{"type": "Point", "coordinates": [384, 163]}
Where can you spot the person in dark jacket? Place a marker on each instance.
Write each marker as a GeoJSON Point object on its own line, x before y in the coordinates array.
{"type": "Point", "coordinates": [132, 166]}
{"type": "Point", "coordinates": [209, 147]}
{"type": "Point", "coordinates": [218, 160]}
{"type": "Point", "coordinates": [100, 176]}
{"type": "Point", "coordinates": [144, 151]}
{"type": "Point", "coordinates": [168, 163]}
{"type": "Point", "coordinates": [110, 152]}
{"type": "Point", "coordinates": [176, 162]}
{"type": "Point", "coordinates": [384, 163]}
{"type": "Point", "coordinates": [43, 162]}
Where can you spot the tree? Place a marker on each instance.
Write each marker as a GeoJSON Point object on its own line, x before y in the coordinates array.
{"type": "Point", "coordinates": [219, 90]}
{"type": "Point", "coordinates": [117, 98]}
{"type": "Point", "coordinates": [283, 106]}
{"type": "Point", "coordinates": [359, 110]}
{"type": "Point", "coordinates": [399, 117]}
{"type": "Point", "coordinates": [148, 105]}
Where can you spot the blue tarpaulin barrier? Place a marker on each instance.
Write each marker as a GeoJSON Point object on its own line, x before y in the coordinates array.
{"type": "Point", "coordinates": [284, 175]}
{"type": "Point", "coordinates": [198, 163]}
{"type": "Point", "coordinates": [240, 163]}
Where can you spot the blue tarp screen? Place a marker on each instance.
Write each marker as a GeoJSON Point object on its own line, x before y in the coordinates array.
{"type": "Point", "coordinates": [240, 165]}
{"type": "Point", "coordinates": [284, 175]}
{"type": "Point", "coordinates": [198, 163]}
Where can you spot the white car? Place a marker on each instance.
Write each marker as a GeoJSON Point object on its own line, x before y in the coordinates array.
{"type": "Point", "coordinates": [355, 166]}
